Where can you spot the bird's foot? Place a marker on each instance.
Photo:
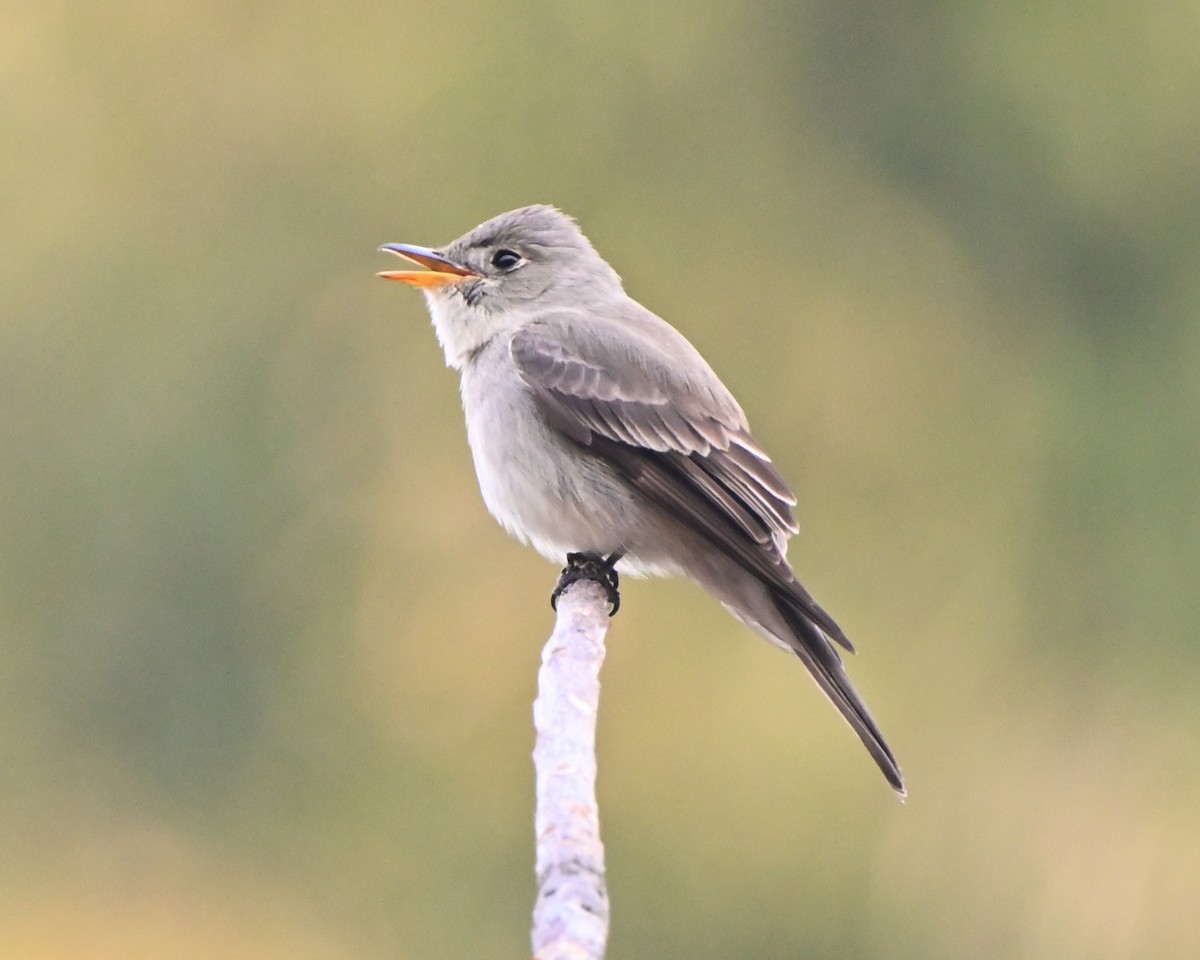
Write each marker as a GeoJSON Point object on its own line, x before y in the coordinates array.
{"type": "Point", "coordinates": [591, 566]}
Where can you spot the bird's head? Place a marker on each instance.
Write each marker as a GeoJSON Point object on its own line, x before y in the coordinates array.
{"type": "Point", "coordinates": [504, 272]}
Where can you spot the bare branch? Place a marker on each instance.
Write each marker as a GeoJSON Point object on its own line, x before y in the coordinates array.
{"type": "Point", "coordinates": [570, 917]}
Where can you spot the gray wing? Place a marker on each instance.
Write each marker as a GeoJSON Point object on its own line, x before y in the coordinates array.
{"type": "Point", "coordinates": [674, 433]}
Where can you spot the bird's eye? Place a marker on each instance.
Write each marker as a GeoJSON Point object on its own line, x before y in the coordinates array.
{"type": "Point", "coordinates": [505, 259]}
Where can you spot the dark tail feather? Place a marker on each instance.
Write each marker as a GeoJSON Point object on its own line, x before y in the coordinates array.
{"type": "Point", "coordinates": [823, 662]}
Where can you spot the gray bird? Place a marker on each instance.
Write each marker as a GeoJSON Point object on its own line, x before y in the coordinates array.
{"type": "Point", "coordinates": [597, 429]}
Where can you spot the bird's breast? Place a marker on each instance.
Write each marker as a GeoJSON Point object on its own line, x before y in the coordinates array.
{"type": "Point", "coordinates": [542, 487]}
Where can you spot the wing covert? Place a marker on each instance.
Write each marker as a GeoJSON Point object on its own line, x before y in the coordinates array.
{"type": "Point", "coordinates": [590, 388]}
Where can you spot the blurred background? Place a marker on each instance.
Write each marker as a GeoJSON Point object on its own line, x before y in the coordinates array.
{"type": "Point", "coordinates": [267, 664]}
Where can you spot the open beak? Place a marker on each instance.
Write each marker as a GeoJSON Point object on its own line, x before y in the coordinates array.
{"type": "Point", "coordinates": [439, 271]}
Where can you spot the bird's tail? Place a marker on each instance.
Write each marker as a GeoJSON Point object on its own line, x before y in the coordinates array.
{"type": "Point", "coordinates": [825, 664]}
{"type": "Point", "coordinates": [780, 617]}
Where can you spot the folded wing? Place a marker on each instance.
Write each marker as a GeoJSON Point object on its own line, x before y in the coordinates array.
{"type": "Point", "coordinates": [678, 438]}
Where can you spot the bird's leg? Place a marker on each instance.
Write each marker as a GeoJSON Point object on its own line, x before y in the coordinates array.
{"type": "Point", "coordinates": [591, 566]}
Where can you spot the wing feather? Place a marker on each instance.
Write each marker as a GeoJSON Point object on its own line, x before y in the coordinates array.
{"type": "Point", "coordinates": [684, 444]}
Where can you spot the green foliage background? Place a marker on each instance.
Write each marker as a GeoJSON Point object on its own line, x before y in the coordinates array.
{"type": "Point", "coordinates": [267, 664]}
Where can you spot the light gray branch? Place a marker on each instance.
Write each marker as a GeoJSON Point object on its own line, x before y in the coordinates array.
{"type": "Point", "coordinates": [570, 917]}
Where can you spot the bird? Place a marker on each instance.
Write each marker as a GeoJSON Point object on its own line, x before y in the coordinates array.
{"type": "Point", "coordinates": [599, 432]}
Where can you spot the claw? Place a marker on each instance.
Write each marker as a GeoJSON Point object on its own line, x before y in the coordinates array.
{"type": "Point", "coordinates": [591, 566]}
